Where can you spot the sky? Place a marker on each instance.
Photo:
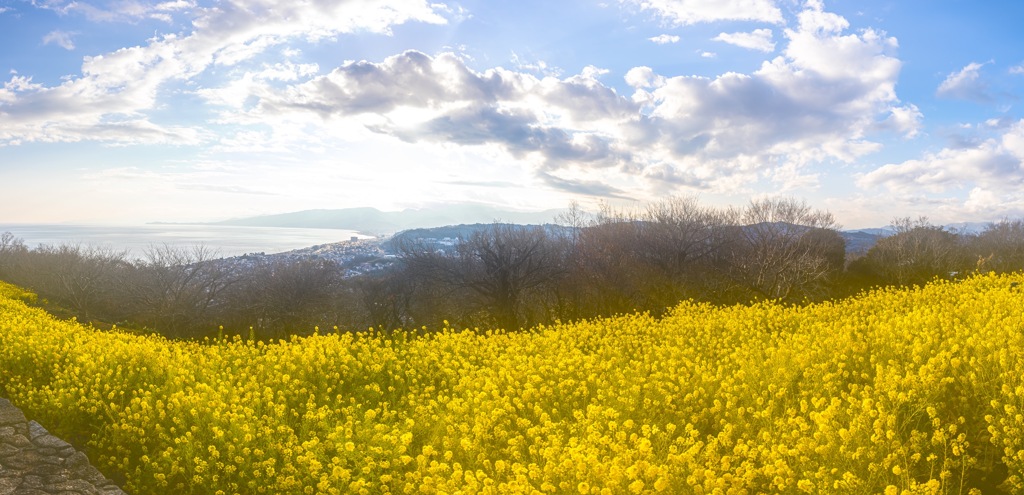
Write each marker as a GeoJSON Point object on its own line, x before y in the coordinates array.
{"type": "Point", "coordinates": [131, 111]}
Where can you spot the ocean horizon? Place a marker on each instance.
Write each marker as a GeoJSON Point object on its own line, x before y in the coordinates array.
{"type": "Point", "coordinates": [135, 240]}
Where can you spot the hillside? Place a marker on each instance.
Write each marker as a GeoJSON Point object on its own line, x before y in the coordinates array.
{"type": "Point", "coordinates": [893, 390]}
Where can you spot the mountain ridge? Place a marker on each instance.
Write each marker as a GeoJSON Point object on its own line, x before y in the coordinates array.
{"type": "Point", "coordinates": [372, 221]}
{"type": "Point", "coordinates": [369, 220]}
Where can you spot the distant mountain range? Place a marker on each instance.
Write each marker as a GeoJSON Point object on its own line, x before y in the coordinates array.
{"type": "Point", "coordinates": [859, 241]}
{"type": "Point", "coordinates": [374, 221]}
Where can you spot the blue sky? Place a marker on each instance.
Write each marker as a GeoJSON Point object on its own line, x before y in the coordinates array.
{"type": "Point", "coordinates": [188, 110]}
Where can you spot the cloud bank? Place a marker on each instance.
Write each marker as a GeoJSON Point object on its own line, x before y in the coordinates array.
{"type": "Point", "coordinates": [991, 170]}
{"type": "Point", "coordinates": [823, 97]}
{"type": "Point", "coordinates": [110, 99]}
{"type": "Point", "coordinates": [819, 100]}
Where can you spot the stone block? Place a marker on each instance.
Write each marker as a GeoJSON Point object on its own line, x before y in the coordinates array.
{"type": "Point", "coordinates": [18, 440]}
{"type": "Point", "coordinates": [10, 415]}
{"type": "Point", "coordinates": [9, 486]}
{"type": "Point", "coordinates": [34, 462]}
{"type": "Point", "coordinates": [76, 461]}
{"type": "Point", "coordinates": [71, 485]}
{"type": "Point", "coordinates": [25, 460]}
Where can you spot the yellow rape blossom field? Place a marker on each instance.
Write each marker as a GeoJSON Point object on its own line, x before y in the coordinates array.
{"type": "Point", "coordinates": [894, 391]}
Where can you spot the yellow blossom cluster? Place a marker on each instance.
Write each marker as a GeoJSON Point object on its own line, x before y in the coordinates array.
{"type": "Point", "coordinates": [894, 391]}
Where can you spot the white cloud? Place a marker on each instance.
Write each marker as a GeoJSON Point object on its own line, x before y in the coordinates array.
{"type": "Point", "coordinates": [174, 5]}
{"type": "Point", "coordinates": [538, 67]}
{"type": "Point", "coordinates": [116, 90]}
{"type": "Point", "coordinates": [790, 178]}
{"type": "Point", "coordinates": [993, 168]}
{"type": "Point", "coordinates": [591, 72]}
{"type": "Point", "coordinates": [950, 168]}
{"type": "Point", "coordinates": [817, 101]}
{"type": "Point", "coordinates": [556, 121]}
{"type": "Point", "coordinates": [686, 12]}
{"type": "Point", "coordinates": [120, 11]}
{"type": "Point", "coordinates": [248, 86]}
{"type": "Point", "coordinates": [1017, 69]}
{"type": "Point", "coordinates": [965, 84]}
{"type": "Point", "coordinates": [457, 13]}
{"type": "Point", "coordinates": [758, 39]}
{"type": "Point", "coordinates": [17, 84]}
{"type": "Point", "coordinates": [875, 208]}
{"type": "Point", "coordinates": [664, 39]}
{"type": "Point", "coordinates": [644, 77]}
{"type": "Point", "coordinates": [60, 38]}
{"type": "Point", "coordinates": [905, 120]}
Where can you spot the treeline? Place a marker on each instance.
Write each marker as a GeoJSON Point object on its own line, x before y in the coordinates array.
{"type": "Point", "coordinates": [650, 259]}
{"type": "Point", "coordinates": [180, 293]}
{"type": "Point", "coordinates": [621, 261]}
{"type": "Point", "coordinates": [512, 276]}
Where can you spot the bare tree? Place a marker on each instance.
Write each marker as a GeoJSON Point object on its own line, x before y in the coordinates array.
{"type": "Point", "coordinates": [500, 268]}
{"type": "Point", "coordinates": [609, 272]}
{"type": "Point", "coordinates": [175, 290]}
{"type": "Point", "coordinates": [1000, 247]}
{"type": "Point", "coordinates": [82, 279]}
{"type": "Point", "coordinates": [785, 249]}
{"type": "Point", "coordinates": [506, 265]}
{"type": "Point", "coordinates": [648, 258]}
{"type": "Point", "coordinates": [290, 297]}
{"type": "Point", "coordinates": [678, 241]}
{"type": "Point", "coordinates": [12, 250]}
{"type": "Point", "coordinates": [387, 299]}
{"type": "Point", "coordinates": [917, 252]}
{"type": "Point", "coordinates": [433, 279]}
{"type": "Point", "coordinates": [574, 219]}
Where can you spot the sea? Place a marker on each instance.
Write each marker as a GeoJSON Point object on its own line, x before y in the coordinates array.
{"type": "Point", "coordinates": [135, 240]}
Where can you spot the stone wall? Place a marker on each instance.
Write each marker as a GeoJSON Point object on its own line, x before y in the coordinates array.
{"type": "Point", "coordinates": [34, 462]}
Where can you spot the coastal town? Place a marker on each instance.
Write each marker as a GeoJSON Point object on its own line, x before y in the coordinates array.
{"type": "Point", "coordinates": [360, 255]}
{"type": "Point", "coordinates": [355, 256]}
